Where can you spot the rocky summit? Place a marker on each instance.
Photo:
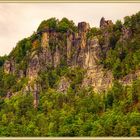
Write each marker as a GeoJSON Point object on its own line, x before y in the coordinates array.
{"type": "Point", "coordinates": [74, 64]}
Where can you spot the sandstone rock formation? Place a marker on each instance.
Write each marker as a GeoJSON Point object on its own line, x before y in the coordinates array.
{"type": "Point", "coordinates": [77, 50]}
{"type": "Point", "coordinates": [45, 40]}
{"type": "Point", "coordinates": [100, 79]}
{"type": "Point", "coordinates": [34, 67]}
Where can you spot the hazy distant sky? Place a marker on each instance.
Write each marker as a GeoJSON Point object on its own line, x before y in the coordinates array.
{"type": "Point", "coordinates": [19, 20]}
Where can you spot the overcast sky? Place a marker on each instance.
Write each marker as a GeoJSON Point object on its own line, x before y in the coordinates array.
{"type": "Point", "coordinates": [19, 20]}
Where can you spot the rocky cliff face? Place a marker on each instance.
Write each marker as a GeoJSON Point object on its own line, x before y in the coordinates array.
{"type": "Point", "coordinates": [52, 48]}
{"type": "Point", "coordinates": [99, 78]}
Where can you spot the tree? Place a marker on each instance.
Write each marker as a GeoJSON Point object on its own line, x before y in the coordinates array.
{"type": "Point", "coordinates": [64, 25]}
{"type": "Point", "coordinates": [9, 80]}
{"type": "Point", "coordinates": [133, 131]}
{"type": "Point", "coordinates": [48, 24]}
{"type": "Point", "coordinates": [135, 91]}
{"type": "Point", "coordinates": [21, 49]}
{"type": "Point", "coordinates": [2, 59]}
{"type": "Point", "coordinates": [93, 32]}
{"type": "Point", "coordinates": [118, 25]}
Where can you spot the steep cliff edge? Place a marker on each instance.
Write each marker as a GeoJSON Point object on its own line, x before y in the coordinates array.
{"type": "Point", "coordinates": [61, 46]}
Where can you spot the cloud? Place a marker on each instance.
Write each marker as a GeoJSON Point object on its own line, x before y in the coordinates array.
{"type": "Point", "coordinates": [19, 20]}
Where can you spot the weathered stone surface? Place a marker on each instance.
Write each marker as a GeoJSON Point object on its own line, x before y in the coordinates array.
{"type": "Point", "coordinates": [102, 22]}
{"type": "Point", "coordinates": [92, 53]}
{"type": "Point", "coordinates": [105, 23]}
{"type": "Point", "coordinates": [106, 27]}
{"type": "Point", "coordinates": [63, 85]}
{"type": "Point", "coordinates": [96, 76]}
{"type": "Point", "coordinates": [83, 27]}
{"type": "Point", "coordinates": [75, 52]}
{"type": "Point", "coordinates": [100, 79]}
{"type": "Point", "coordinates": [56, 58]}
{"type": "Point", "coordinates": [46, 57]}
{"type": "Point", "coordinates": [45, 39]}
{"type": "Point", "coordinates": [34, 67]}
{"type": "Point", "coordinates": [80, 44]}
{"type": "Point", "coordinates": [78, 51]}
{"type": "Point", "coordinates": [70, 41]}
{"type": "Point", "coordinates": [126, 33]}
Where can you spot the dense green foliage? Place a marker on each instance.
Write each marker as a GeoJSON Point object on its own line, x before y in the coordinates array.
{"type": "Point", "coordinates": [93, 32]}
{"type": "Point", "coordinates": [80, 112]}
{"type": "Point", "coordinates": [65, 25]}
{"type": "Point", "coordinates": [85, 113]}
{"type": "Point", "coordinates": [48, 24]}
{"type": "Point", "coordinates": [123, 56]}
{"type": "Point", "coordinates": [2, 60]}
{"type": "Point", "coordinates": [10, 83]}
{"type": "Point", "coordinates": [61, 26]}
{"type": "Point", "coordinates": [20, 51]}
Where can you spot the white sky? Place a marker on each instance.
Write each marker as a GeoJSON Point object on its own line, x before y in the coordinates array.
{"type": "Point", "coordinates": [19, 20]}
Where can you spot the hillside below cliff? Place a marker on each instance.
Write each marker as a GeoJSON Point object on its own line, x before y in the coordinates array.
{"type": "Point", "coordinates": [68, 80]}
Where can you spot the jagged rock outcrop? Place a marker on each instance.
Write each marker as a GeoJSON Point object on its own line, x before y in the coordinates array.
{"type": "Point", "coordinates": [96, 76]}
{"type": "Point", "coordinates": [92, 54]}
{"type": "Point", "coordinates": [126, 33]}
{"type": "Point", "coordinates": [99, 78]}
{"type": "Point", "coordinates": [50, 48]}
{"type": "Point", "coordinates": [105, 23]}
{"type": "Point", "coordinates": [78, 51]}
{"type": "Point", "coordinates": [34, 67]}
{"type": "Point", "coordinates": [70, 43]}
{"type": "Point", "coordinates": [83, 28]}
{"type": "Point", "coordinates": [106, 26]}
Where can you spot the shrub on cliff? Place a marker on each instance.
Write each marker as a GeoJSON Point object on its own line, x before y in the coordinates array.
{"type": "Point", "coordinates": [64, 25]}
{"type": "Point", "coordinates": [21, 49]}
{"type": "Point", "coordinates": [48, 24]}
{"type": "Point", "coordinates": [54, 24]}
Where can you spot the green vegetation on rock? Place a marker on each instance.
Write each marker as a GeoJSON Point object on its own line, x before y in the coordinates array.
{"type": "Point", "coordinates": [66, 106]}
{"type": "Point", "coordinates": [61, 26]}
